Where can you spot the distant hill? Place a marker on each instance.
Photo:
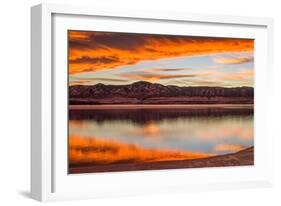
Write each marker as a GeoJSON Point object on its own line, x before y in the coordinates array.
{"type": "Point", "coordinates": [142, 92]}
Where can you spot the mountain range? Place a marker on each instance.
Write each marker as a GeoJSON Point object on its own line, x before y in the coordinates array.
{"type": "Point", "coordinates": [143, 92]}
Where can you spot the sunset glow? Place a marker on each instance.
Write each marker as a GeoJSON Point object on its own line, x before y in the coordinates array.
{"type": "Point", "coordinates": [101, 151]}
{"type": "Point", "coordinates": [123, 58]}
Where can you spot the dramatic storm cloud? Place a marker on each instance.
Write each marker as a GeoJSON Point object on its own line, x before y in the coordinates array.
{"type": "Point", "coordinates": [118, 58]}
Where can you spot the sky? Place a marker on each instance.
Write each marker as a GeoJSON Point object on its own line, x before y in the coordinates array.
{"type": "Point", "coordinates": [124, 58]}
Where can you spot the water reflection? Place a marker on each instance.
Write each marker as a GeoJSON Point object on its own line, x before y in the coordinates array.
{"type": "Point", "coordinates": [101, 151]}
{"type": "Point", "coordinates": [142, 116]}
{"type": "Point", "coordinates": [202, 131]}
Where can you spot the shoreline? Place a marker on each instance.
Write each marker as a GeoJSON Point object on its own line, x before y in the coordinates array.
{"type": "Point", "coordinates": [243, 157]}
{"type": "Point", "coordinates": [161, 106]}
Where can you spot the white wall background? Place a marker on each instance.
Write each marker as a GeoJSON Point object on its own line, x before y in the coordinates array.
{"type": "Point", "coordinates": [15, 95]}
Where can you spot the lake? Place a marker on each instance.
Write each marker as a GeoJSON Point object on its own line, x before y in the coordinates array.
{"type": "Point", "coordinates": [114, 134]}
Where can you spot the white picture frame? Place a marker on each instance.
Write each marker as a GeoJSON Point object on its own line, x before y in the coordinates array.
{"type": "Point", "coordinates": [49, 178]}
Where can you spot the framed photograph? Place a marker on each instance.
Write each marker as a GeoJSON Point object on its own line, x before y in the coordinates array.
{"type": "Point", "coordinates": [134, 102]}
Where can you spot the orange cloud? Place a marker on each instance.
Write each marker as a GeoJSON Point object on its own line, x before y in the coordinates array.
{"type": "Point", "coordinates": [77, 35]}
{"type": "Point", "coordinates": [99, 151]}
{"type": "Point", "coordinates": [95, 51]}
{"type": "Point", "coordinates": [238, 76]}
{"type": "Point", "coordinates": [149, 76]}
{"type": "Point", "coordinates": [88, 81]}
{"type": "Point", "coordinates": [247, 72]}
{"type": "Point", "coordinates": [79, 82]}
{"type": "Point", "coordinates": [167, 69]}
{"type": "Point", "coordinates": [239, 60]}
